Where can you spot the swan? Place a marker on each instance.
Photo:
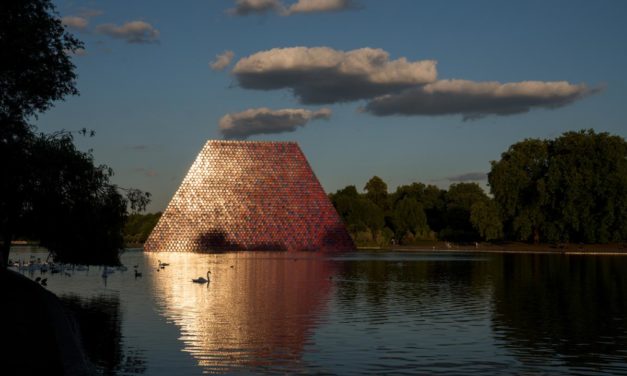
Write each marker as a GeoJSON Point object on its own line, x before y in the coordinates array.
{"type": "Point", "coordinates": [201, 279]}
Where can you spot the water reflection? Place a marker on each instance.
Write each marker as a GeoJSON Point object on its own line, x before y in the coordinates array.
{"type": "Point", "coordinates": [99, 319]}
{"type": "Point", "coordinates": [566, 310]}
{"type": "Point", "coordinates": [410, 313]}
{"type": "Point", "coordinates": [360, 313]}
{"type": "Point", "coordinates": [257, 312]}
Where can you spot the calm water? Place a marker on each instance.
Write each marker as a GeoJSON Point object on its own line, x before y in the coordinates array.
{"type": "Point", "coordinates": [363, 313]}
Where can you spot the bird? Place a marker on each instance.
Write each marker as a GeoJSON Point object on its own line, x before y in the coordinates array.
{"type": "Point", "coordinates": [44, 282]}
{"type": "Point", "coordinates": [201, 279]}
{"type": "Point", "coordinates": [137, 274]}
{"type": "Point", "coordinates": [37, 279]}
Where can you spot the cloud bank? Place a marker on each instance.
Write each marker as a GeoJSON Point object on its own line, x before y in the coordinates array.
{"type": "Point", "coordinates": [475, 100]}
{"type": "Point", "coordinates": [241, 125]}
{"type": "Point", "coordinates": [222, 60]}
{"type": "Point", "coordinates": [137, 32]}
{"type": "Point", "coordinates": [323, 75]}
{"type": "Point", "coordinates": [252, 7]}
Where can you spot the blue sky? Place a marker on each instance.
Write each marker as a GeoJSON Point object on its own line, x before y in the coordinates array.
{"type": "Point", "coordinates": [148, 90]}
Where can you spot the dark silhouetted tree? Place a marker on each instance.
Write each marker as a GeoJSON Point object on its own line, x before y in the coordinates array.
{"type": "Point", "coordinates": [49, 190]}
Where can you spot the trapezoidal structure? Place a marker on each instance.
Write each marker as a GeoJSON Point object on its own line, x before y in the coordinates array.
{"type": "Point", "coordinates": [245, 195]}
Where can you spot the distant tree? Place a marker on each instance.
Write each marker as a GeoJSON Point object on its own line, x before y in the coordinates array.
{"type": "Point", "coordinates": [586, 185]}
{"type": "Point", "coordinates": [359, 214]}
{"type": "Point", "coordinates": [486, 219]}
{"type": "Point", "coordinates": [367, 215]}
{"type": "Point", "coordinates": [459, 201]}
{"type": "Point", "coordinates": [377, 192]}
{"type": "Point", "coordinates": [518, 184]}
{"type": "Point", "coordinates": [139, 226]}
{"type": "Point", "coordinates": [573, 188]}
{"type": "Point", "coordinates": [409, 216]}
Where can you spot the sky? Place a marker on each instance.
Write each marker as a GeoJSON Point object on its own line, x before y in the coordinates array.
{"type": "Point", "coordinates": [411, 91]}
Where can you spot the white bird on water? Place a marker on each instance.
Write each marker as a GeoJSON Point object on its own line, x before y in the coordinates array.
{"type": "Point", "coordinates": [201, 279]}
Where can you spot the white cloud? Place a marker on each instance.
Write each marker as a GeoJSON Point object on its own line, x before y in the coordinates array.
{"type": "Point", "coordinates": [474, 100]}
{"type": "Point", "coordinates": [132, 32]}
{"type": "Point", "coordinates": [325, 75]}
{"type": "Point", "coordinates": [80, 21]}
{"type": "Point", "coordinates": [222, 60]}
{"type": "Point", "coordinates": [241, 125]}
{"type": "Point", "coordinates": [313, 6]}
{"type": "Point", "coordinates": [248, 7]}
{"type": "Point", "coordinates": [75, 22]}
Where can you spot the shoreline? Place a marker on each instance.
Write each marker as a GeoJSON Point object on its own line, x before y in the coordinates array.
{"type": "Point", "coordinates": [610, 249]}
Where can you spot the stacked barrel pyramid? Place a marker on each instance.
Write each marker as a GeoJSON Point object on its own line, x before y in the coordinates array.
{"type": "Point", "coordinates": [249, 195]}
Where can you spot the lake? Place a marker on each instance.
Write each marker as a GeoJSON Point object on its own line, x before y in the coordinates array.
{"type": "Point", "coordinates": [359, 313]}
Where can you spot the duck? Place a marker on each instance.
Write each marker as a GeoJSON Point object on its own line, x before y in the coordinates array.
{"type": "Point", "coordinates": [201, 279]}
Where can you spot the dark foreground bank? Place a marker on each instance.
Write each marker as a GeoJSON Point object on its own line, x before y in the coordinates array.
{"type": "Point", "coordinates": [38, 336]}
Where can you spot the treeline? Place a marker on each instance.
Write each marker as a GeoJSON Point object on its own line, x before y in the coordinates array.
{"type": "Point", "coordinates": [138, 227]}
{"type": "Point", "coordinates": [416, 213]}
{"type": "Point", "coordinates": [570, 189]}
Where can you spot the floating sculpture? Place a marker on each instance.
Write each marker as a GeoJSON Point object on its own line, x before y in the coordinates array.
{"type": "Point", "coordinates": [249, 195]}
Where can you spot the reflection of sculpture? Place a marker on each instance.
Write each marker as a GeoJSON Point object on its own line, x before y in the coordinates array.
{"type": "Point", "coordinates": [256, 313]}
{"type": "Point", "coordinates": [242, 195]}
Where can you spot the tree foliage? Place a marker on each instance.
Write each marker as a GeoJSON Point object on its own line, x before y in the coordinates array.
{"type": "Point", "coordinates": [377, 192]}
{"type": "Point", "coordinates": [413, 213]}
{"type": "Point", "coordinates": [518, 185]}
{"type": "Point", "coordinates": [36, 69]}
{"type": "Point", "coordinates": [139, 226]}
{"type": "Point", "coordinates": [570, 189]}
{"type": "Point", "coordinates": [486, 219]}
{"type": "Point", "coordinates": [49, 190]}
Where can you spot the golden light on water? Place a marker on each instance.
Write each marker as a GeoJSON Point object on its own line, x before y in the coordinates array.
{"type": "Point", "coordinates": [258, 310]}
